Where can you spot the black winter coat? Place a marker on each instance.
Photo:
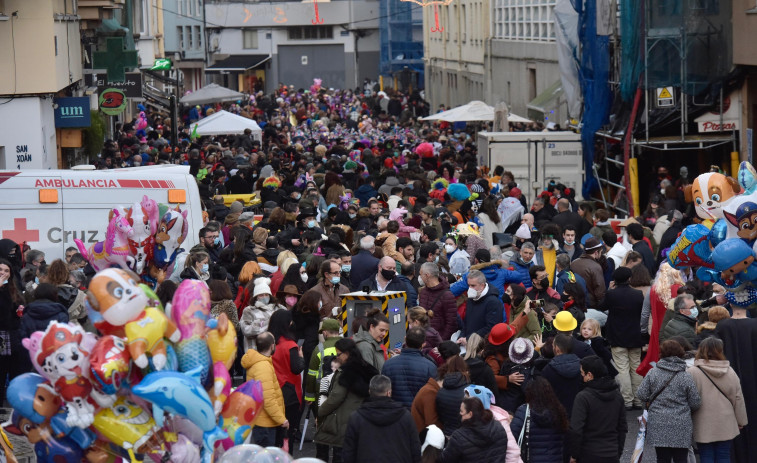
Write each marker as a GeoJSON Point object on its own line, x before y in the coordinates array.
{"type": "Point", "coordinates": [564, 374]}
{"type": "Point", "coordinates": [476, 444]}
{"type": "Point", "coordinates": [598, 423]}
{"type": "Point", "coordinates": [623, 305]}
{"type": "Point", "coordinates": [481, 315]}
{"type": "Point", "coordinates": [448, 401]}
{"type": "Point", "coordinates": [381, 431]}
{"type": "Point", "coordinates": [545, 440]}
{"type": "Point", "coordinates": [481, 374]}
{"type": "Point", "coordinates": [514, 396]}
{"type": "Point", "coordinates": [39, 314]}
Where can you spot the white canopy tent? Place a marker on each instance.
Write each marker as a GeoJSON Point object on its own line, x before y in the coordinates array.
{"type": "Point", "coordinates": [226, 123]}
{"type": "Point", "coordinates": [211, 93]}
{"type": "Point", "coordinates": [471, 112]}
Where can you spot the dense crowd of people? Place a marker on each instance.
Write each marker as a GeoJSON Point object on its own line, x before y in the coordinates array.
{"type": "Point", "coordinates": [532, 328]}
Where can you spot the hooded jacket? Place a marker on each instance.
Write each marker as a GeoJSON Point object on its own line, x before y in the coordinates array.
{"type": "Point", "coordinates": [448, 401]}
{"type": "Point", "coordinates": [441, 300]}
{"type": "Point", "coordinates": [348, 390]}
{"type": "Point", "coordinates": [521, 268]}
{"type": "Point", "coordinates": [623, 326]}
{"type": "Point", "coordinates": [483, 442]}
{"type": "Point", "coordinates": [370, 349]}
{"type": "Point", "coordinates": [721, 413]}
{"type": "Point", "coordinates": [532, 326]}
{"type": "Point", "coordinates": [598, 423]}
{"type": "Point", "coordinates": [364, 193]}
{"type": "Point", "coordinates": [260, 368]}
{"type": "Point", "coordinates": [381, 416]}
{"type": "Point", "coordinates": [564, 374]}
{"type": "Point", "coordinates": [545, 439]}
{"type": "Point", "coordinates": [409, 372]}
{"type": "Point", "coordinates": [496, 274]}
{"type": "Point", "coordinates": [669, 423]}
{"type": "Point", "coordinates": [39, 314]}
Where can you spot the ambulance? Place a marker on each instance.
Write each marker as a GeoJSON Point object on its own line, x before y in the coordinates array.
{"type": "Point", "coordinates": [48, 209]}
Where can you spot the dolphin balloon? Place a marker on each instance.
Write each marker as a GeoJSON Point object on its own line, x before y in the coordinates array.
{"type": "Point", "coordinates": [182, 394]}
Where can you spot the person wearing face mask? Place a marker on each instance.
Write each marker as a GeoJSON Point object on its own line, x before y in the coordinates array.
{"type": "Point", "coordinates": [684, 321]}
{"type": "Point", "coordinates": [255, 316]}
{"type": "Point", "coordinates": [385, 278]}
{"type": "Point", "coordinates": [548, 250]}
{"type": "Point", "coordinates": [329, 288]}
{"type": "Point", "coordinates": [292, 238]}
{"type": "Point", "coordinates": [496, 272]}
{"type": "Point", "coordinates": [540, 288]}
{"type": "Point", "coordinates": [484, 308]}
{"type": "Point", "coordinates": [196, 267]}
{"type": "Point", "coordinates": [570, 246]}
{"type": "Point", "coordinates": [210, 241]}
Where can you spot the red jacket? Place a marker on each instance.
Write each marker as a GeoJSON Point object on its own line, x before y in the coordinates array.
{"type": "Point", "coordinates": [283, 367]}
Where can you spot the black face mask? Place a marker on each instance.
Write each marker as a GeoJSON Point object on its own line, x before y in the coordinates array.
{"type": "Point", "coordinates": [544, 283]}
{"type": "Point", "coordinates": [387, 274]}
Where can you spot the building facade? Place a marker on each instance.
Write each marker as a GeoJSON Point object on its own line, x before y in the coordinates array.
{"type": "Point", "coordinates": [185, 42]}
{"type": "Point", "coordinates": [401, 31]}
{"type": "Point", "coordinates": [40, 58]}
{"type": "Point", "coordinates": [455, 52]}
{"type": "Point", "coordinates": [256, 46]}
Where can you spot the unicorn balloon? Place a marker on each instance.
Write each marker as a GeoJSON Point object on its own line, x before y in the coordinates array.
{"type": "Point", "coordinates": [172, 231]}
{"type": "Point", "coordinates": [114, 251]}
{"type": "Point", "coordinates": [143, 218]}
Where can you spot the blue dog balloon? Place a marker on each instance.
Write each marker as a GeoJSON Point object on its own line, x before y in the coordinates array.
{"type": "Point", "coordinates": [734, 265]}
{"type": "Point", "coordinates": [182, 394]}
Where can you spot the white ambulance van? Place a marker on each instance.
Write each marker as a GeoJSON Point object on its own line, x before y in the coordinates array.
{"type": "Point", "coordinates": [48, 209]}
{"type": "Point", "coordinates": [535, 158]}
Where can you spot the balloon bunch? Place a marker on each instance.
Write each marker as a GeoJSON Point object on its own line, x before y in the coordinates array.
{"type": "Point", "coordinates": [155, 385]}
{"type": "Point", "coordinates": [723, 247]}
{"type": "Point", "coordinates": [144, 238]}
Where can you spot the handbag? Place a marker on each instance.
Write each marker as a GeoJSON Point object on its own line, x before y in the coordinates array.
{"type": "Point", "coordinates": [525, 432]}
{"type": "Point", "coordinates": [713, 383]}
{"type": "Point", "coordinates": [667, 383]}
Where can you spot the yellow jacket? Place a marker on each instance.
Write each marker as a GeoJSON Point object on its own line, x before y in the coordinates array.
{"type": "Point", "coordinates": [260, 368]}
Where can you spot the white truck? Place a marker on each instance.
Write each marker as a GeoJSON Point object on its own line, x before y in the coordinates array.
{"type": "Point", "coordinates": [48, 209]}
{"type": "Point", "coordinates": [535, 158]}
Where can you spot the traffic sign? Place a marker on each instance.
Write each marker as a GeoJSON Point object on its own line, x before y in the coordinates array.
{"type": "Point", "coordinates": [665, 97]}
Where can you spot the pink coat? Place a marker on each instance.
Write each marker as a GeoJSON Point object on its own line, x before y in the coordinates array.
{"type": "Point", "coordinates": [513, 451]}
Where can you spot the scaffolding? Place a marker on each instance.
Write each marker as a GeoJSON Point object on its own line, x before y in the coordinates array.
{"type": "Point", "coordinates": [401, 32]}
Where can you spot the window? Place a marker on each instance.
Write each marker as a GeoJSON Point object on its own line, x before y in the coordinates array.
{"type": "Point", "coordinates": [180, 36]}
{"type": "Point", "coordinates": [529, 20]}
{"type": "Point", "coordinates": [310, 33]}
{"type": "Point", "coordinates": [198, 36]}
{"type": "Point", "coordinates": [249, 39]}
{"type": "Point", "coordinates": [190, 41]}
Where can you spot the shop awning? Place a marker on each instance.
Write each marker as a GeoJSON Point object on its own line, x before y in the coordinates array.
{"type": "Point", "coordinates": [238, 63]}
{"type": "Point", "coordinates": [545, 102]}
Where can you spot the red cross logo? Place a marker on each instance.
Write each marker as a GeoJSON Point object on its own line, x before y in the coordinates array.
{"type": "Point", "coordinates": [20, 233]}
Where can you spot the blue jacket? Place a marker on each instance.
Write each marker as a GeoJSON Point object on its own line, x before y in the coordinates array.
{"type": "Point", "coordinates": [522, 269]}
{"type": "Point", "coordinates": [496, 275]}
{"type": "Point", "coordinates": [412, 293]}
{"type": "Point", "coordinates": [564, 277]}
{"type": "Point", "coordinates": [363, 266]}
{"type": "Point", "coordinates": [409, 372]}
{"type": "Point", "coordinates": [545, 441]}
{"type": "Point", "coordinates": [365, 193]}
{"type": "Point", "coordinates": [483, 314]}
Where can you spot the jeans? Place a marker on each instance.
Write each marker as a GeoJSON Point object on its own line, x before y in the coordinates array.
{"type": "Point", "coordinates": [666, 454]}
{"type": "Point", "coordinates": [715, 452]}
{"type": "Point", "coordinates": [626, 361]}
{"type": "Point", "coordinates": [264, 437]}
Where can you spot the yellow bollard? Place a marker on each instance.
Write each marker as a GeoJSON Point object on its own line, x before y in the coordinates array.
{"type": "Point", "coordinates": [633, 181]}
{"type": "Point", "coordinates": [381, 83]}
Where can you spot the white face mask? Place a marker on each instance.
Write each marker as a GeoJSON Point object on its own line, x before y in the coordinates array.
{"type": "Point", "coordinates": [472, 293]}
{"type": "Point", "coordinates": [304, 277]}
{"type": "Point", "coordinates": [449, 248]}
{"type": "Point", "coordinates": [420, 281]}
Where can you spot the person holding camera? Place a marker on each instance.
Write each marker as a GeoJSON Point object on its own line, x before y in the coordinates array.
{"type": "Point", "coordinates": [540, 288]}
